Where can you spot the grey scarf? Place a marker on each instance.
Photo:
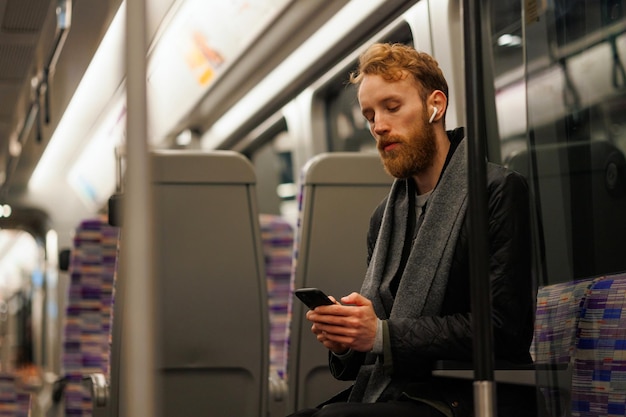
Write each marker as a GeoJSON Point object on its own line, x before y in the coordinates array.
{"type": "Point", "coordinates": [423, 282]}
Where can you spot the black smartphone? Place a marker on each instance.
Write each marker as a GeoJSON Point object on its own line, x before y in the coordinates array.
{"type": "Point", "coordinates": [313, 297]}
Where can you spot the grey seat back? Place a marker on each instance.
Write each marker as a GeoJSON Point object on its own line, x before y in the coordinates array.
{"type": "Point", "coordinates": [339, 192]}
{"type": "Point", "coordinates": [212, 312]}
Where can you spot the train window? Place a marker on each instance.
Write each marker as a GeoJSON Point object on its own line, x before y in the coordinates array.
{"type": "Point", "coordinates": [272, 159]}
{"type": "Point", "coordinates": [576, 19]}
{"type": "Point", "coordinates": [508, 61]}
{"type": "Point", "coordinates": [507, 35]}
{"type": "Point", "coordinates": [347, 130]}
{"type": "Point", "coordinates": [566, 71]}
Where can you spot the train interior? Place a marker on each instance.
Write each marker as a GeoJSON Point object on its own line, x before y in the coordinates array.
{"type": "Point", "coordinates": [257, 154]}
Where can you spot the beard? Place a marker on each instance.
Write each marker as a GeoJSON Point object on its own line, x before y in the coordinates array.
{"type": "Point", "coordinates": [414, 154]}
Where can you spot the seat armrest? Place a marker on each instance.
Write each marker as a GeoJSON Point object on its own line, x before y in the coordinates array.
{"type": "Point", "coordinates": [99, 388]}
{"type": "Point", "coordinates": [505, 372]}
{"type": "Point", "coordinates": [58, 388]}
{"type": "Point", "coordinates": [278, 388]}
{"type": "Point", "coordinates": [278, 392]}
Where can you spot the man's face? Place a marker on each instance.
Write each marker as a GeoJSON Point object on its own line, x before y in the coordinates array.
{"type": "Point", "coordinates": [398, 120]}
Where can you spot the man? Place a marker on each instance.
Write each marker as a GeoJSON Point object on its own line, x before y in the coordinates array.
{"type": "Point", "coordinates": [414, 307]}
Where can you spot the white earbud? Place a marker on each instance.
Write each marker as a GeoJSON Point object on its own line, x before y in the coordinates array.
{"type": "Point", "coordinates": [432, 116]}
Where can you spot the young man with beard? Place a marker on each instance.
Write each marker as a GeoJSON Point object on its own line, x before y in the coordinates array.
{"type": "Point", "coordinates": [414, 305]}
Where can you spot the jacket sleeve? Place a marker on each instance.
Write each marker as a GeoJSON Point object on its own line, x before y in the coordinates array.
{"type": "Point", "coordinates": [346, 369]}
{"type": "Point", "coordinates": [449, 336]}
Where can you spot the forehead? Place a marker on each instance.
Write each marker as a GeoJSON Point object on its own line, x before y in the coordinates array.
{"type": "Point", "coordinates": [374, 88]}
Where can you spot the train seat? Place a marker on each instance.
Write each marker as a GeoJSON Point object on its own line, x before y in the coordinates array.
{"type": "Point", "coordinates": [552, 347]}
{"type": "Point", "coordinates": [338, 193]}
{"type": "Point", "coordinates": [89, 313]}
{"type": "Point", "coordinates": [212, 314]}
{"type": "Point", "coordinates": [579, 348]}
{"type": "Point", "coordinates": [599, 366]}
{"type": "Point", "coordinates": [556, 323]}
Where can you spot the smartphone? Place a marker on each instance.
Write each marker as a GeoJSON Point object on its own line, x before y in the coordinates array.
{"type": "Point", "coordinates": [312, 297]}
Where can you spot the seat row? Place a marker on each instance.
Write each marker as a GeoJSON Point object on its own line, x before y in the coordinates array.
{"type": "Point", "coordinates": [236, 344]}
{"type": "Point", "coordinates": [232, 287]}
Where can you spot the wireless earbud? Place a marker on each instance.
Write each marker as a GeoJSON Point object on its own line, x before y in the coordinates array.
{"type": "Point", "coordinates": [432, 116]}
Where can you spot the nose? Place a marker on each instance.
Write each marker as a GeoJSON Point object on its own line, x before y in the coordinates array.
{"type": "Point", "coordinates": [380, 126]}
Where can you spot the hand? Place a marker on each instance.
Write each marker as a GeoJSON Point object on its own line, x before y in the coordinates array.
{"type": "Point", "coordinates": [321, 336]}
{"type": "Point", "coordinates": [349, 326]}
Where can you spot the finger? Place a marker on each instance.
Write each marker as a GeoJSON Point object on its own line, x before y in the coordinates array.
{"type": "Point", "coordinates": [355, 299]}
{"type": "Point", "coordinates": [322, 313]}
{"type": "Point", "coordinates": [315, 329]}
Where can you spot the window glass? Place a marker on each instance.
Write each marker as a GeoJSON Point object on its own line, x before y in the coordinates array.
{"type": "Point", "coordinates": [508, 68]}
{"type": "Point", "coordinates": [560, 104]}
{"type": "Point", "coordinates": [560, 89]}
{"type": "Point", "coordinates": [273, 162]}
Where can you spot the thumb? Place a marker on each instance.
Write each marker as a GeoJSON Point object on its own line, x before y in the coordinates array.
{"type": "Point", "coordinates": [355, 299]}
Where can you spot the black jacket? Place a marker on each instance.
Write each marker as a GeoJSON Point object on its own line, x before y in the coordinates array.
{"type": "Point", "coordinates": [417, 344]}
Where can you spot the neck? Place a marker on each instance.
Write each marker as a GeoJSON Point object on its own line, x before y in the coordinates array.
{"type": "Point", "coordinates": [426, 180]}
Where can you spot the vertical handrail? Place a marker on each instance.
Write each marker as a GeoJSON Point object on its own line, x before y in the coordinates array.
{"type": "Point", "coordinates": [484, 387]}
{"type": "Point", "coordinates": [137, 395]}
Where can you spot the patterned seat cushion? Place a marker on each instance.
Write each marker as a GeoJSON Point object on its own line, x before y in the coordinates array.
{"type": "Point", "coordinates": [87, 335]}
{"type": "Point", "coordinates": [277, 240]}
{"type": "Point", "coordinates": [599, 376]}
{"type": "Point", "coordinates": [14, 399]}
{"type": "Point", "coordinates": [557, 315]}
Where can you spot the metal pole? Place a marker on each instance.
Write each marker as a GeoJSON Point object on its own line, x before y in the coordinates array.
{"type": "Point", "coordinates": [138, 341]}
{"type": "Point", "coordinates": [484, 388]}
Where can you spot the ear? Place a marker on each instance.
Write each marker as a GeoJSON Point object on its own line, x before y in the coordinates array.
{"type": "Point", "coordinates": [437, 99]}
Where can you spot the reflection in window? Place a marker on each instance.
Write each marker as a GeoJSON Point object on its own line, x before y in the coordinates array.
{"type": "Point", "coordinates": [348, 130]}
{"type": "Point", "coordinates": [571, 86]}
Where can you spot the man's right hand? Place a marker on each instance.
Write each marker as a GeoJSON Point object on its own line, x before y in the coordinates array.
{"type": "Point", "coordinates": [342, 327]}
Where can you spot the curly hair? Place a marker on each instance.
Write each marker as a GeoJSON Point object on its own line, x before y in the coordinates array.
{"type": "Point", "coordinates": [395, 61]}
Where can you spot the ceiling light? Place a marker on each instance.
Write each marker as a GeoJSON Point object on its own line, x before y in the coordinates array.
{"type": "Point", "coordinates": [5, 210]}
{"type": "Point", "coordinates": [15, 148]}
{"type": "Point", "coordinates": [509, 40]}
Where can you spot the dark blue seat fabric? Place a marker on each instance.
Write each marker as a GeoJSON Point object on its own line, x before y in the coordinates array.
{"type": "Point", "coordinates": [599, 373]}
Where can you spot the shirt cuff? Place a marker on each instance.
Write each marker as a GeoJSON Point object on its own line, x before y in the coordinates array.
{"type": "Point", "coordinates": [342, 356]}
{"type": "Point", "coordinates": [378, 341]}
